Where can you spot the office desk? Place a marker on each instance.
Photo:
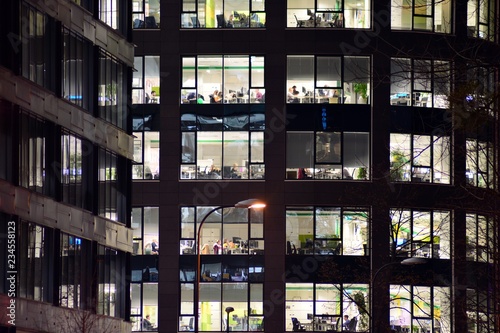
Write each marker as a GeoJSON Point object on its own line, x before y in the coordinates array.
{"type": "Point", "coordinates": [304, 99]}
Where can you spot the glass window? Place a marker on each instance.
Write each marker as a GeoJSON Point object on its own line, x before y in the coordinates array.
{"type": "Point", "coordinates": [223, 147]}
{"type": "Point", "coordinates": [146, 80]}
{"type": "Point", "coordinates": [480, 238]}
{"type": "Point", "coordinates": [480, 304]}
{"type": "Point", "coordinates": [323, 307]}
{"type": "Point", "coordinates": [75, 278]}
{"type": "Point", "coordinates": [323, 79]}
{"type": "Point", "coordinates": [109, 12]}
{"type": "Point", "coordinates": [146, 155]}
{"type": "Point", "coordinates": [112, 100]}
{"type": "Point", "coordinates": [423, 234]}
{"type": "Point", "coordinates": [328, 14]}
{"type": "Point", "coordinates": [111, 282]}
{"type": "Point", "coordinates": [480, 163]}
{"type": "Point", "coordinates": [35, 253]}
{"type": "Point", "coordinates": [231, 268]}
{"type": "Point", "coordinates": [145, 226]}
{"type": "Point", "coordinates": [32, 135]}
{"type": "Point", "coordinates": [327, 231]}
{"type": "Point", "coordinates": [223, 14]}
{"type": "Point", "coordinates": [328, 155]}
{"type": "Point", "coordinates": [424, 308]}
{"type": "Point", "coordinates": [421, 83]}
{"type": "Point", "coordinates": [112, 189]}
{"type": "Point", "coordinates": [37, 59]}
{"type": "Point", "coordinates": [428, 15]}
{"type": "Point", "coordinates": [76, 165]}
{"type": "Point", "coordinates": [226, 231]}
{"type": "Point", "coordinates": [235, 79]}
{"type": "Point", "coordinates": [420, 158]}
{"type": "Point", "coordinates": [77, 86]}
{"type": "Point", "coordinates": [481, 19]}
{"type": "Point", "coordinates": [146, 14]}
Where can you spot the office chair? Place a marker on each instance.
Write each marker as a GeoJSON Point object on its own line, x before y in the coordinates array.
{"type": "Point", "coordinates": [150, 22]}
{"type": "Point", "coordinates": [297, 326]}
{"type": "Point", "coordinates": [352, 325]}
{"type": "Point", "coordinates": [221, 22]}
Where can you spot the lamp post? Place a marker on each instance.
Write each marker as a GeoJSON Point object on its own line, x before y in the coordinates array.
{"type": "Point", "coordinates": [248, 204]}
{"type": "Point", "coordinates": [405, 262]}
{"type": "Point", "coordinates": [229, 309]}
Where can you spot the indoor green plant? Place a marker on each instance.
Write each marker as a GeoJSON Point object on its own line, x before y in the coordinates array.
{"type": "Point", "coordinates": [362, 174]}
{"type": "Point", "coordinates": [362, 90]}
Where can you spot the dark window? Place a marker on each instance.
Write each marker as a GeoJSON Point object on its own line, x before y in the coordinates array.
{"type": "Point", "coordinates": [35, 253]}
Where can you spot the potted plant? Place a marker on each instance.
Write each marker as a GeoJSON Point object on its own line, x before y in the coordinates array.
{"type": "Point", "coordinates": [397, 165]}
{"type": "Point", "coordinates": [362, 174]}
{"type": "Point", "coordinates": [361, 89]}
{"type": "Point", "coordinates": [360, 300]}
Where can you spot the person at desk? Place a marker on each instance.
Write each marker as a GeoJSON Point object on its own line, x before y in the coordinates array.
{"type": "Point", "coordinates": [154, 98]}
{"type": "Point", "coordinates": [258, 96]}
{"type": "Point", "coordinates": [155, 248]}
{"type": "Point", "coordinates": [346, 322]}
{"type": "Point", "coordinates": [146, 324]}
{"type": "Point", "coordinates": [230, 22]}
{"type": "Point", "coordinates": [216, 97]}
{"type": "Point", "coordinates": [217, 247]}
{"type": "Point", "coordinates": [292, 95]}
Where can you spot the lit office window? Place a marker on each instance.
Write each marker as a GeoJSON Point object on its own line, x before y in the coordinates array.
{"type": "Point", "coordinates": [145, 224]}
{"type": "Point", "coordinates": [327, 155]}
{"type": "Point", "coordinates": [421, 83]}
{"type": "Point", "coordinates": [322, 307]}
{"type": "Point", "coordinates": [223, 14]}
{"type": "Point", "coordinates": [146, 14]}
{"type": "Point", "coordinates": [428, 15]}
{"type": "Point", "coordinates": [75, 277]}
{"type": "Point", "coordinates": [420, 158]}
{"type": "Point", "coordinates": [223, 146]}
{"type": "Point", "coordinates": [146, 80]}
{"type": "Point", "coordinates": [236, 231]}
{"type": "Point", "coordinates": [481, 238]}
{"type": "Point", "coordinates": [478, 96]}
{"type": "Point", "coordinates": [111, 170]}
{"type": "Point", "coordinates": [425, 308]}
{"type": "Point", "coordinates": [327, 231]}
{"type": "Point", "coordinates": [353, 14]}
{"type": "Point", "coordinates": [481, 19]}
{"type": "Point", "coordinates": [223, 80]}
{"type": "Point", "coordinates": [76, 164]}
{"type": "Point", "coordinates": [111, 277]}
{"type": "Point", "coordinates": [424, 234]}
{"type": "Point", "coordinates": [232, 268]}
{"type": "Point", "coordinates": [112, 100]}
{"type": "Point", "coordinates": [108, 12]}
{"type": "Point", "coordinates": [480, 305]}
{"type": "Point", "coordinates": [146, 155]}
{"type": "Point", "coordinates": [480, 163]}
{"type": "Point", "coordinates": [328, 79]}
{"type": "Point", "coordinates": [144, 306]}
{"type": "Point", "coordinates": [32, 135]}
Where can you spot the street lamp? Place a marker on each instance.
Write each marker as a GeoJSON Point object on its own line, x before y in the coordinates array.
{"type": "Point", "coordinates": [405, 262]}
{"type": "Point", "coordinates": [248, 204]}
{"type": "Point", "coordinates": [229, 309]}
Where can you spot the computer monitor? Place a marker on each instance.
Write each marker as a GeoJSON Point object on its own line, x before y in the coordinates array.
{"type": "Point", "coordinates": [310, 316]}
{"type": "Point", "coordinates": [304, 90]}
{"type": "Point", "coordinates": [236, 14]}
{"type": "Point", "coordinates": [310, 12]}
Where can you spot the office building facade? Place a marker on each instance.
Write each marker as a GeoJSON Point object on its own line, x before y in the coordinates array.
{"type": "Point", "coordinates": [66, 151]}
{"type": "Point", "coordinates": [369, 128]}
